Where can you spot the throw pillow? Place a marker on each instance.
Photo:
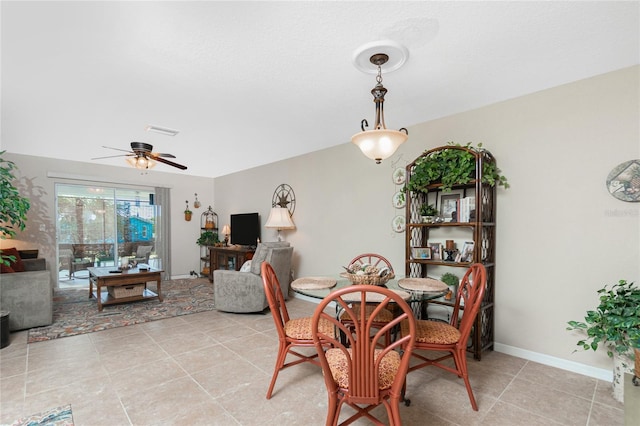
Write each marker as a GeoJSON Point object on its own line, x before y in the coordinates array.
{"type": "Point", "coordinates": [4, 269]}
{"type": "Point", "coordinates": [258, 257]}
{"type": "Point", "coordinates": [17, 264]}
{"type": "Point", "coordinates": [28, 254]}
{"type": "Point", "coordinates": [246, 266]}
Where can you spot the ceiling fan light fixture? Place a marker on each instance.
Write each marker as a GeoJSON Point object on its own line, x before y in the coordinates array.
{"type": "Point", "coordinates": [162, 130]}
{"type": "Point", "coordinates": [379, 143]}
{"type": "Point", "coordinates": [141, 162]}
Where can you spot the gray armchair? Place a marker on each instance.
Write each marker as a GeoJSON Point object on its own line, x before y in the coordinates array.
{"type": "Point", "coordinates": [239, 292]}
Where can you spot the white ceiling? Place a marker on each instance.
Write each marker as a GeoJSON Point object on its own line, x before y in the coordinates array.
{"type": "Point", "coordinates": [249, 83]}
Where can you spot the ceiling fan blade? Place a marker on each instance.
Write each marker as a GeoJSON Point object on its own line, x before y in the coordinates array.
{"type": "Point", "coordinates": [171, 163]}
{"type": "Point", "coordinates": [113, 156]}
{"type": "Point", "coordinates": [160, 154]}
{"type": "Point", "coordinates": [118, 149]}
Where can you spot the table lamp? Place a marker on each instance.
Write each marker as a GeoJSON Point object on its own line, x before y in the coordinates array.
{"type": "Point", "coordinates": [279, 219]}
{"type": "Point", "coordinates": [226, 230]}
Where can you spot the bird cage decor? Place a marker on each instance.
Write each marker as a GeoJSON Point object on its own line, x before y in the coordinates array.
{"type": "Point", "coordinates": [208, 219]}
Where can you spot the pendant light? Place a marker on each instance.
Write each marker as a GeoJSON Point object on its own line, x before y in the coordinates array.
{"type": "Point", "coordinates": [379, 143]}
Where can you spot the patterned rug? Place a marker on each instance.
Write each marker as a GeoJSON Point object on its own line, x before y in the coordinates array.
{"type": "Point", "coordinates": [60, 416]}
{"type": "Point", "coordinates": [74, 313]}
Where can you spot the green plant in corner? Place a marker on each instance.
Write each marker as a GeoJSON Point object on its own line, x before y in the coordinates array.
{"type": "Point", "coordinates": [451, 167]}
{"type": "Point", "coordinates": [616, 321]}
{"type": "Point", "coordinates": [208, 238]}
{"type": "Point", "coordinates": [13, 207]}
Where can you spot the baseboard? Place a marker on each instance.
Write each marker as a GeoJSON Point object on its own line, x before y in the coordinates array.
{"type": "Point", "coordinates": [563, 364]}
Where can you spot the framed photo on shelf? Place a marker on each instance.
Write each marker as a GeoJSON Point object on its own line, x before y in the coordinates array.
{"type": "Point", "coordinates": [421, 253]}
{"type": "Point", "coordinates": [448, 206]}
{"type": "Point", "coordinates": [436, 251]}
{"type": "Point", "coordinates": [466, 254]}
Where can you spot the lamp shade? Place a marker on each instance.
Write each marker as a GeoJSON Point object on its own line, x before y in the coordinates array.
{"type": "Point", "coordinates": [279, 218]}
{"type": "Point", "coordinates": [379, 144]}
{"type": "Point", "coordinates": [226, 230]}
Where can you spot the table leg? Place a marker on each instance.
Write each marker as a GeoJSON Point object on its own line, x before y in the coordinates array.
{"type": "Point", "coordinates": [99, 294]}
{"type": "Point", "coordinates": [159, 281]}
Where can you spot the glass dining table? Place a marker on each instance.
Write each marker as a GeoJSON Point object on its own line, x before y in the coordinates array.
{"type": "Point", "coordinates": [416, 291]}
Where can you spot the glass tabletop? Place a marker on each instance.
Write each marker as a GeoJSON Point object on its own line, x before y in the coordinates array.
{"type": "Point", "coordinates": [414, 296]}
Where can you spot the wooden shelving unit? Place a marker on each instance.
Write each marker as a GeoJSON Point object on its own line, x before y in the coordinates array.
{"type": "Point", "coordinates": [480, 229]}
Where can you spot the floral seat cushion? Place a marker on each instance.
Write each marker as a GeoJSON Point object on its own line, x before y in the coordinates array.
{"type": "Point", "coordinates": [436, 332]}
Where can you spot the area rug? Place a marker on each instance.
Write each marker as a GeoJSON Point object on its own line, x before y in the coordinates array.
{"type": "Point", "coordinates": [74, 313]}
{"type": "Point", "coordinates": [60, 416]}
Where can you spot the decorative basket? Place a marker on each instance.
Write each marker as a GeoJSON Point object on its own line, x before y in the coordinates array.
{"type": "Point", "coordinates": [369, 279]}
{"type": "Point", "coordinates": [126, 291]}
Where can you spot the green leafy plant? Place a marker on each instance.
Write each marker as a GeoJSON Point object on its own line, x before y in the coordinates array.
{"type": "Point", "coordinates": [187, 210]}
{"type": "Point", "coordinates": [453, 166]}
{"type": "Point", "coordinates": [208, 238]}
{"type": "Point", "coordinates": [450, 279]}
{"type": "Point", "coordinates": [428, 210]}
{"type": "Point", "coordinates": [13, 207]}
{"type": "Point", "coordinates": [616, 321]}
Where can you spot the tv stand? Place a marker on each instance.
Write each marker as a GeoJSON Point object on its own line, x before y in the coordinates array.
{"type": "Point", "coordinates": [232, 257]}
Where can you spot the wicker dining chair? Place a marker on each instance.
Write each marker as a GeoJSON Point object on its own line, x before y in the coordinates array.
{"type": "Point", "coordinates": [385, 315]}
{"type": "Point", "coordinates": [452, 337]}
{"type": "Point", "coordinates": [292, 332]}
{"type": "Point", "coordinates": [356, 369]}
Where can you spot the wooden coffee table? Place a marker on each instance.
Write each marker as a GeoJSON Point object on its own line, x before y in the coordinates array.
{"type": "Point", "coordinates": [112, 277]}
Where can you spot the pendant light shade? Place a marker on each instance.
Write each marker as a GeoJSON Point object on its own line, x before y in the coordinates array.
{"type": "Point", "coordinates": [379, 144]}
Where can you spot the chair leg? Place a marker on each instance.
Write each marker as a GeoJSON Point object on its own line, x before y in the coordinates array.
{"type": "Point", "coordinates": [282, 355]}
{"type": "Point", "coordinates": [460, 359]}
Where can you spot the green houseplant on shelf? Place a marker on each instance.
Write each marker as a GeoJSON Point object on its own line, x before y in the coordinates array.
{"type": "Point", "coordinates": [13, 206]}
{"type": "Point", "coordinates": [451, 167]}
{"type": "Point", "coordinates": [208, 238]}
{"type": "Point", "coordinates": [452, 281]}
{"type": "Point", "coordinates": [614, 324]}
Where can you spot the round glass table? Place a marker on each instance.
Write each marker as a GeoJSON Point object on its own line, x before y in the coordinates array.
{"type": "Point", "coordinates": [416, 298]}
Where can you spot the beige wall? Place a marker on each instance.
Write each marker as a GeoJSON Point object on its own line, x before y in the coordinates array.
{"type": "Point", "coordinates": [560, 235]}
{"type": "Point", "coordinates": [35, 184]}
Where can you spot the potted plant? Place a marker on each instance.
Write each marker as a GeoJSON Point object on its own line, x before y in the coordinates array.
{"type": "Point", "coordinates": [428, 212]}
{"type": "Point", "coordinates": [453, 166]}
{"type": "Point", "coordinates": [452, 281]}
{"type": "Point", "coordinates": [208, 238]}
{"type": "Point", "coordinates": [13, 207]}
{"type": "Point", "coordinates": [614, 324]}
{"type": "Point", "coordinates": [187, 212]}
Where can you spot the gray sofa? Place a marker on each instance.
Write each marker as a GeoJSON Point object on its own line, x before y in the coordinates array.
{"type": "Point", "coordinates": [241, 292]}
{"type": "Point", "coordinates": [28, 295]}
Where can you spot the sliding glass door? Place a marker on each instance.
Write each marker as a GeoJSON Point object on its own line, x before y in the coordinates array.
{"type": "Point", "coordinates": [102, 226]}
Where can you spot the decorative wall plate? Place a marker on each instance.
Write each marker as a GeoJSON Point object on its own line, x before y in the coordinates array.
{"type": "Point", "coordinates": [399, 175]}
{"type": "Point", "coordinates": [623, 182]}
{"type": "Point", "coordinates": [399, 223]}
{"type": "Point", "coordinates": [399, 200]}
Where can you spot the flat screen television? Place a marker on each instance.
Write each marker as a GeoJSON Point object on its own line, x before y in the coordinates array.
{"type": "Point", "coordinates": [245, 229]}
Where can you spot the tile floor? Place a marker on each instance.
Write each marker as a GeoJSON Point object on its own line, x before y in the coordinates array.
{"type": "Point", "coordinates": [213, 368]}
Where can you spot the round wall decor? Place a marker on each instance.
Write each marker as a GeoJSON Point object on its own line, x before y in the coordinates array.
{"type": "Point", "coordinates": [623, 182]}
{"type": "Point", "coordinates": [284, 197]}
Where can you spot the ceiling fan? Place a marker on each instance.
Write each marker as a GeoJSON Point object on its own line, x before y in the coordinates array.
{"type": "Point", "coordinates": [141, 156]}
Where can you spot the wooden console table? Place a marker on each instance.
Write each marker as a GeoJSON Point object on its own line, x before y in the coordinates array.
{"type": "Point", "coordinates": [106, 277]}
{"type": "Point", "coordinates": [231, 257]}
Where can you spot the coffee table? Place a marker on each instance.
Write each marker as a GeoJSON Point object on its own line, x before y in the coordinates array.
{"type": "Point", "coordinates": [113, 277]}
